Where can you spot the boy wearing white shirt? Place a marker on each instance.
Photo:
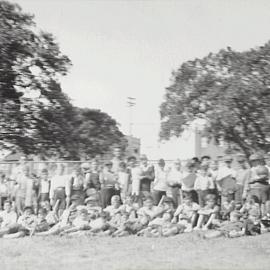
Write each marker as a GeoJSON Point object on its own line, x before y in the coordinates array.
{"type": "Point", "coordinates": [174, 182]}
{"type": "Point", "coordinates": [160, 184]}
{"type": "Point", "coordinates": [226, 179]}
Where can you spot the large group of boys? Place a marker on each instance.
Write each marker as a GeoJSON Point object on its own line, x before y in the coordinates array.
{"type": "Point", "coordinates": [225, 197]}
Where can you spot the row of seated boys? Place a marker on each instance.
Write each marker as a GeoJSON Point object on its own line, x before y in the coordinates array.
{"type": "Point", "coordinates": [229, 219]}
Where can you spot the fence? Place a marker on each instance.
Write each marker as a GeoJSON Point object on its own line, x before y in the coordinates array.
{"type": "Point", "coordinates": [9, 168]}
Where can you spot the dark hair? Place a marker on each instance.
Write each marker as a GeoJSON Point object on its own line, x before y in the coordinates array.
{"type": "Point", "coordinates": [122, 164]}
{"type": "Point", "coordinates": [195, 159]}
{"type": "Point", "coordinates": [131, 158]}
{"type": "Point", "coordinates": [8, 201]}
{"type": "Point", "coordinates": [28, 208]}
{"type": "Point", "coordinates": [43, 211]}
{"type": "Point", "coordinates": [205, 157]}
{"type": "Point", "coordinates": [149, 197]}
{"type": "Point", "coordinates": [255, 198]}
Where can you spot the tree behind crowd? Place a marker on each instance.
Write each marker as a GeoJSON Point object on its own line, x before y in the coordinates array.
{"type": "Point", "coordinates": [36, 116]}
{"type": "Point", "coordinates": [230, 91]}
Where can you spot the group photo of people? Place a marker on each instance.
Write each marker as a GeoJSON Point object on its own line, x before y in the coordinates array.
{"type": "Point", "coordinates": [228, 196]}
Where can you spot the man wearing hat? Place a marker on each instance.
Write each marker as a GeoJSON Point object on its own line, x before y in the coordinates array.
{"type": "Point", "coordinates": [108, 182]}
{"type": "Point", "coordinates": [147, 176]}
{"type": "Point", "coordinates": [242, 176]}
{"type": "Point", "coordinates": [226, 178]}
{"type": "Point", "coordinates": [258, 182]}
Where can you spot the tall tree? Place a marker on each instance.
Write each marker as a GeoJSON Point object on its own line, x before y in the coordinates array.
{"type": "Point", "coordinates": [230, 90]}
{"type": "Point", "coordinates": [30, 95]}
{"type": "Point", "coordinates": [94, 133]}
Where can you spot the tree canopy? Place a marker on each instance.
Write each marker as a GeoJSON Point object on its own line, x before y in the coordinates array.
{"type": "Point", "coordinates": [36, 116]}
{"type": "Point", "coordinates": [230, 90]}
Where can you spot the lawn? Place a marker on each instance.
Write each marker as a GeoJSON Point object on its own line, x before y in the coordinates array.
{"type": "Point", "coordinates": [186, 251]}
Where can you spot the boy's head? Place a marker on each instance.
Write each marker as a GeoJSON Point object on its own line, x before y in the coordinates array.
{"type": "Point", "coordinates": [149, 202]}
{"type": "Point", "coordinates": [204, 167]}
{"type": "Point", "coordinates": [144, 160]}
{"type": "Point", "coordinates": [210, 199]}
{"type": "Point", "coordinates": [46, 205]}
{"type": "Point", "coordinates": [168, 203]}
{"type": "Point", "coordinates": [229, 196]}
{"type": "Point", "coordinates": [187, 198]}
{"type": "Point", "coordinates": [28, 211]}
{"type": "Point", "coordinates": [82, 212]}
{"type": "Point", "coordinates": [91, 201]}
{"type": "Point", "coordinates": [214, 165]}
{"type": "Point", "coordinates": [117, 152]}
{"type": "Point", "coordinates": [235, 216]}
{"type": "Point", "coordinates": [7, 206]}
{"type": "Point", "coordinates": [167, 216]}
{"type": "Point", "coordinates": [177, 164]}
{"type": "Point", "coordinates": [26, 170]}
{"type": "Point", "coordinates": [94, 165]}
{"type": "Point", "coordinates": [108, 166]}
{"type": "Point", "coordinates": [128, 200]}
{"type": "Point", "coordinates": [132, 161]}
{"type": "Point", "coordinates": [161, 163]}
{"type": "Point", "coordinates": [85, 167]}
{"type": "Point", "coordinates": [262, 171]}
{"type": "Point", "coordinates": [77, 171]}
{"type": "Point", "coordinates": [122, 166]}
{"type": "Point", "coordinates": [42, 213]}
{"type": "Point", "coordinates": [205, 160]}
{"type": "Point", "coordinates": [44, 174]}
{"type": "Point", "coordinates": [115, 201]}
{"type": "Point", "coordinates": [252, 199]}
{"type": "Point", "coordinates": [228, 160]}
{"type": "Point", "coordinates": [256, 159]}
{"type": "Point", "coordinates": [190, 167]}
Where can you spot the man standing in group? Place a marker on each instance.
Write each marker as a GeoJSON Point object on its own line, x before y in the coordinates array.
{"type": "Point", "coordinates": [225, 179]}
{"type": "Point", "coordinates": [174, 182]}
{"type": "Point", "coordinates": [116, 159]}
{"type": "Point", "coordinates": [147, 177]}
{"type": "Point", "coordinates": [242, 176]}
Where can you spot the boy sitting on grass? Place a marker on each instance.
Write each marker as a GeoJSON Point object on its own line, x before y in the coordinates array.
{"type": "Point", "coordinates": [186, 213]}
{"type": "Point", "coordinates": [80, 223]}
{"type": "Point", "coordinates": [25, 224]}
{"type": "Point", "coordinates": [231, 228]}
{"type": "Point", "coordinates": [8, 219]}
{"type": "Point", "coordinates": [208, 214]}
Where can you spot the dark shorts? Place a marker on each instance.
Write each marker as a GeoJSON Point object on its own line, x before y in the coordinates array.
{"type": "Point", "coordinates": [60, 194]}
{"type": "Point", "coordinates": [44, 197]}
{"type": "Point", "coordinates": [261, 193]}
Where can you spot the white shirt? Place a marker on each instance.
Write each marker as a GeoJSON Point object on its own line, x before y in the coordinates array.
{"type": "Point", "coordinates": [203, 182]}
{"type": "Point", "coordinates": [136, 180]}
{"type": "Point", "coordinates": [174, 176]}
{"type": "Point", "coordinates": [60, 181]}
{"type": "Point", "coordinates": [8, 218]}
{"type": "Point", "coordinates": [44, 186]}
{"type": "Point", "coordinates": [160, 183]}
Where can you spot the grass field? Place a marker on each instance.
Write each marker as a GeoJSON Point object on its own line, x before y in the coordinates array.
{"type": "Point", "coordinates": [186, 251]}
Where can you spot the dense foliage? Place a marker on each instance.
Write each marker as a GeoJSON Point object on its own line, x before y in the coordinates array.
{"type": "Point", "coordinates": [230, 90]}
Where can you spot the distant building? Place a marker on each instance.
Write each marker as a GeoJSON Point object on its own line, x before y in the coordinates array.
{"type": "Point", "coordinates": [205, 146]}
{"type": "Point", "coordinates": [133, 146]}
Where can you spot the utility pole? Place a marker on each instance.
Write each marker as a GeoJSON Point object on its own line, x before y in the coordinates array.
{"type": "Point", "coordinates": [131, 102]}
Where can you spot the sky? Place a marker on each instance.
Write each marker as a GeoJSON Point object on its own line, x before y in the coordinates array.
{"type": "Point", "coordinates": [123, 49]}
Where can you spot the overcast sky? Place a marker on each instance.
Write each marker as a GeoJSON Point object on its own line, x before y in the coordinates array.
{"type": "Point", "coordinates": [129, 48]}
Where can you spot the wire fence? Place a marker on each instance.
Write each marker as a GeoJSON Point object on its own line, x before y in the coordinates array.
{"type": "Point", "coordinates": [9, 168]}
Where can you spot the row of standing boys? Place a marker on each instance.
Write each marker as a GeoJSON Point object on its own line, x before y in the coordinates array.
{"type": "Point", "coordinates": [139, 179]}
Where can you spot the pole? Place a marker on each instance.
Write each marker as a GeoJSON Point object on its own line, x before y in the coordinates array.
{"type": "Point", "coordinates": [131, 102]}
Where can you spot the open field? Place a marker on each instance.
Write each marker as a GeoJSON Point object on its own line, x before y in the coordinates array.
{"type": "Point", "coordinates": [187, 251]}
